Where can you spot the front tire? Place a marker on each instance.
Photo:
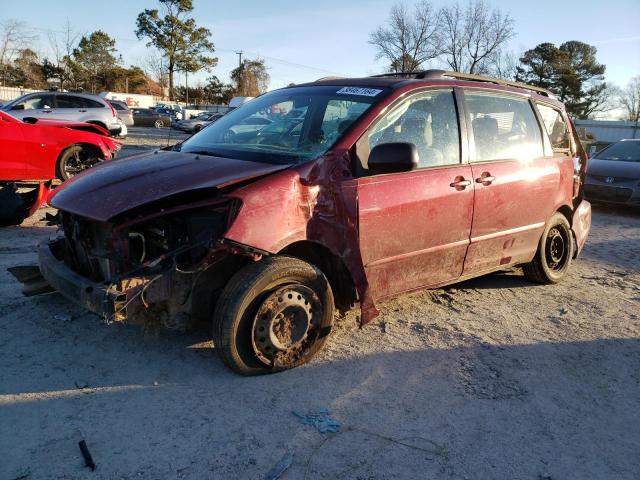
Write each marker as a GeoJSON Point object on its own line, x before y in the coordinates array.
{"type": "Point", "coordinates": [76, 159]}
{"type": "Point", "coordinates": [554, 254]}
{"type": "Point", "coordinates": [273, 315]}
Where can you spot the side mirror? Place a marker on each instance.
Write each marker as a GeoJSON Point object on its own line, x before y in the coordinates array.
{"type": "Point", "coordinates": [20, 106]}
{"type": "Point", "coordinates": [393, 158]}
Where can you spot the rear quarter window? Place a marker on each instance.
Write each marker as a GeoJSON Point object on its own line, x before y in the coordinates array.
{"type": "Point", "coordinates": [89, 103]}
{"type": "Point", "coordinates": [556, 129]}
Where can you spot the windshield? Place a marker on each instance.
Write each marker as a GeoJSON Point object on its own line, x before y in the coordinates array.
{"type": "Point", "coordinates": [292, 125]}
{"type": "Point", "coordinates": [621, 151]}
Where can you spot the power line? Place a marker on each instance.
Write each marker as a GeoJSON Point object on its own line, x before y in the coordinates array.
{"type": "Point", "coordinates": [240, 53]}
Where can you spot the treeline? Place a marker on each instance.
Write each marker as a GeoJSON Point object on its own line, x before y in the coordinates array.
{"type": "Point", "coordinates": [474, 37]}
{"type": "Point", "coordinates": [177, 45]}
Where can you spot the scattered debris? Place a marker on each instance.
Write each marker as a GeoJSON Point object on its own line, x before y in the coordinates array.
{"type": "Point", "coordinates": [88, 460]}
{"type": "Point", "coordinates": [321, 421]}
{"type": "Point", "coordinates": [280, 467]}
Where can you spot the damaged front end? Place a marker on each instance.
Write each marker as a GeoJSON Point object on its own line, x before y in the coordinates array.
{"type": "Point", "coordinates": [152, 267]}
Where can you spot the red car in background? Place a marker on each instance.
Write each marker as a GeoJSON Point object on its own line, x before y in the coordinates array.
{"type": "Point", "coordinates": [34, 152]}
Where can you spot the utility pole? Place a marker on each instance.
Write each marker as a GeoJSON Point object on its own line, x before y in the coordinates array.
{"type": "Point", "coordinates": [239, 58]}
{"type": "Point", "coordinates": [186, 82]}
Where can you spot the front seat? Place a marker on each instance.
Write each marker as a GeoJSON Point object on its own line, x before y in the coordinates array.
{"type": "Point", "coordinates": [416, 130]}
{"type": "Point", "coordinates": [485, 133]}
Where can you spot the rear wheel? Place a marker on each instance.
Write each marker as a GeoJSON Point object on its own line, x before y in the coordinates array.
{"type": "Point", "coordinates": [76, 159]}
{"type": "Point", "coordinates": [273, 315]}
{"type": "Point", "coordinates": [555, 251]}
{"type": "Point", "coordinates": [159, 123]}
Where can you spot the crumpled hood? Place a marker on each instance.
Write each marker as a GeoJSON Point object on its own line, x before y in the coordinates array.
{"type": "Point", "coordinates": [115, 187]}
{"type": "Point", "coordinates": [613, 168]}
{"type": "Point", "coordinates": [60, 123]}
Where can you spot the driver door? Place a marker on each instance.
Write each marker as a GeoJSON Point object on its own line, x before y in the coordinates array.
{"type": "Point", "coordinates": [414, 226]}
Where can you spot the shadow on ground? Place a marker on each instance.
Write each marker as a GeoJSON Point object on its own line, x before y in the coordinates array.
{"type": "Point", "coordinates": [164, 406]}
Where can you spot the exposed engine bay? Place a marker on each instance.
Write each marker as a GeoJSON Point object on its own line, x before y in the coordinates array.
{"type": "Point", "coordinates": [153, 265]}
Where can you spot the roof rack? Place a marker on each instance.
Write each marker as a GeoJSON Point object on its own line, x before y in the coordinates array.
{"type": "Point", "coordinates": [440, 74]}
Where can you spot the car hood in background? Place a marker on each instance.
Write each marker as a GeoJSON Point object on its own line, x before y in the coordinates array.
{"type": "Point", "coordinates": [613, 168]}
{"type": "Point", "coordinates": [112, 188]}
{"type": "Point", "coordinates": [54, 122]}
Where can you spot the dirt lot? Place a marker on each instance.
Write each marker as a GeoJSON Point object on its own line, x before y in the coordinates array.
{"type": "Point", "coordinates": [494, 378]}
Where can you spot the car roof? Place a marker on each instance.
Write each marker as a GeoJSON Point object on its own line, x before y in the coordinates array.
{"type": "Point", "coordinates": [434, 77]}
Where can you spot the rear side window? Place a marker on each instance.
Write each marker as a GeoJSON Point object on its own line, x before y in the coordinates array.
{"type": "Point", "coordinates": [429, 121]}
{"type": "Point", "coordinates": [504, 127]}
{"type": "Point", "coordinates": [556, 128]}
{"type": "Point", "coordinates": [89, 103]}
{"type": "Point", "coordinates": [69, 101]}
{"type": "Point", "coordinates": [117, 106]}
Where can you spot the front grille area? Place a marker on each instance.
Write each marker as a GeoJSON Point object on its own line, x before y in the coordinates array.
{"type": "Point", "coordinates": [603, 178]}
{"type": "Point", "coordinates": [611, 194]}
{"type": "Point", "coordinates": [84, 246]}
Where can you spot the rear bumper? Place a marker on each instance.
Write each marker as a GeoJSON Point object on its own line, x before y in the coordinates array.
{"type": "Point", "coordinates": [93, 296]}
{"type": "Point", "coordinates": [581, 224]}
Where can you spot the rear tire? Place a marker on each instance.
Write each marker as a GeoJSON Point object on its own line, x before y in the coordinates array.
{"type": "Point", "coordinates": [554, 254]}
{"type": "Point", "coordinates": [273, 315]}
{"type": "Point", "coordinates": [159, 124]}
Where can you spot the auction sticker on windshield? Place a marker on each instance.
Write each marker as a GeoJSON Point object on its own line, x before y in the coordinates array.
{"type": "Point", "coordinates": [366, 92]}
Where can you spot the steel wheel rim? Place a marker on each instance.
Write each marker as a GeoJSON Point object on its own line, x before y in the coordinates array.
{"type": "Point", "coordinates": [557, 250]}
{"type": "Point", "coordinates": [285, 325]}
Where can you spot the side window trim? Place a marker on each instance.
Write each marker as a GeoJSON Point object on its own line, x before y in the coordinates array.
{"type": "Point", "coordinates": [362, 148]}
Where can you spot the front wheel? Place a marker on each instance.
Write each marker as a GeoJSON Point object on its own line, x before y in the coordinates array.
{"type": "Point", "coordinates": [76, 159]}
{"type": "Point", "coordinates": [273, 315]}
{"type": "Point", "coordinates": [554, 254]}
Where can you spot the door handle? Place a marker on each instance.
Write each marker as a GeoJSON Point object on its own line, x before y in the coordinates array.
{"type": "Point", "coordinates": [486, 178]}
{"type": "Point", "coordinates": [460, 183]}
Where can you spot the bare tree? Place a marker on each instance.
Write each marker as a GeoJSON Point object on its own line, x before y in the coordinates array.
{"type": "Point", "coordinates": [13, 38]}
{"type": "Point", "coordinates": [629, 100]}
{"type": "Point", "coordinates": [504, 64]}
{"type": "Point", "coordinates": [472, 36]}
{"type": "Point", "coordinates": [62, 47]}
{"type": "Point", "coordinates": [155, 67]}
{"type": "Point", "coordinates": [409, 39]}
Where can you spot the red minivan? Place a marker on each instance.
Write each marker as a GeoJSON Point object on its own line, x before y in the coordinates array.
{"type": "Point", "coordinates": [347, 191]}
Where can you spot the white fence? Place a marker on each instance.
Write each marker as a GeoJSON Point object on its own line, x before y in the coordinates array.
{"type": "Point", "coordinates": [9, 93]}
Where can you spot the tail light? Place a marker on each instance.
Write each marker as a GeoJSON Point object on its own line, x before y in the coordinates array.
{"type": "Point", "coordinates": [113, 110]}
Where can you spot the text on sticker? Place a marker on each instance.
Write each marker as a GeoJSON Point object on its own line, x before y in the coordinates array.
{"type": "Point", "coordinates": [366, 92]}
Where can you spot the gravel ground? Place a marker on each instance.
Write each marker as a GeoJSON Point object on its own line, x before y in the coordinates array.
{"type": "Point", "coordinates": [492, 378]}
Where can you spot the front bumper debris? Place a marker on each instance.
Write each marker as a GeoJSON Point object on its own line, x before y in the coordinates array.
{"type": "Point", "coordinates": [112, 301]}
{"type": "Point", "coordinates": [93, 296]}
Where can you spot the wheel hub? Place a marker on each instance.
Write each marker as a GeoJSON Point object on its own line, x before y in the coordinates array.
{"type": "Point", "coordinates": [556, 248]}
{"type": "Point", "coordinates": [284, 322]}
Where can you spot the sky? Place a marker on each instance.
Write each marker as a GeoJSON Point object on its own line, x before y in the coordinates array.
{"type": "Point", "coordinates": [305, 40]}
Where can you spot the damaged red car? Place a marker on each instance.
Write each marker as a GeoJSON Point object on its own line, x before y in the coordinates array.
{"type": "Point", "coordinates": [350, 191]}
{"type": "Point", "coordinates": [34, 152]}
